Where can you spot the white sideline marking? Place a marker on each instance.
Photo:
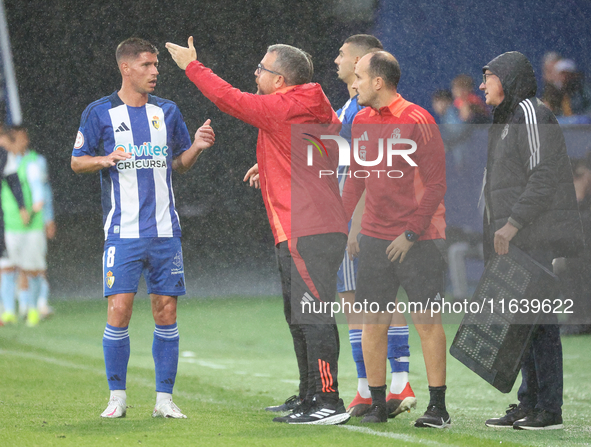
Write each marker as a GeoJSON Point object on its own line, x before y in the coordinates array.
{"type": "Point", "coordinates": [100, 371]}
{"type": "Point", "coordinates": [205, 363]}
{"type": "Point", "coordinates": [398, 436]}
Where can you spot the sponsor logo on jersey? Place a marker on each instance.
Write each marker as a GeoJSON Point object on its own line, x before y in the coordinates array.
{"type": "Point", "coordinates": [110, 279]}
{"type": "Point", "coordinates": [156, 122]}
{"type": "Point", "coordinates": [141, 164]}
{"type": "Point", "coordinates": [79, 140]}
{"type": "Point", "coordinates": [145, 149]}
{"type": "Point", "coordinates": [395, 134]}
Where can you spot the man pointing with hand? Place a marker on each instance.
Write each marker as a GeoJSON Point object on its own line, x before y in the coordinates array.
{"type": "Point", "coordinates": [305, 211]}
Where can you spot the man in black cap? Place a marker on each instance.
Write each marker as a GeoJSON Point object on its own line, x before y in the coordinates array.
{"type": "Point", "coordinates": [530, 201]}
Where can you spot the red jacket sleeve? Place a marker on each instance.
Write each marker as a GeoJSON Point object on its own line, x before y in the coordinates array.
{"type": "Point", "coordinates": [258, 110]}
{"type": "Point", "coordinates": [430, 158]}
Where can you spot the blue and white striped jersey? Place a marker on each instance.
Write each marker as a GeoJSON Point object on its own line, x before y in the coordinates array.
{"type": "Point", "coordinates": [137, 195]}
{"type": "Point", "coordinates": [347, 114]}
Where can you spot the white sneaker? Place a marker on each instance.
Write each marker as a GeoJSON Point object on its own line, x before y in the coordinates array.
{"type": "Point", "coordinates": [116, 408]}
{"type": "Point", "coordinates": [167, 409]}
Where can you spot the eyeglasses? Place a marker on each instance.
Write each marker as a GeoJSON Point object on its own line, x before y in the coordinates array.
{"type": "Point", "coordinates": [261, 68]}
{"type": "Point", "coordinates": [484, 75]}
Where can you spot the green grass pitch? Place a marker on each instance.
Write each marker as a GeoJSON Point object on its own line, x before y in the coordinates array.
{"type": "Point", "coordinates": [236, 359]}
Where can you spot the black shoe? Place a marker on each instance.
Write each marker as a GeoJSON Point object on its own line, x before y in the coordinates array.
{"type": "Point", "coordinates": [302, 407]}
{"type": "Point", "coordinates": [377, 413]}
{"type": "Point", "coordinates": [289, 405]}
{"type": "Point", "coordinates": [514, 413]}
{"type": "Point", "coordinates": [434, 417]}
{"type": "Point", "coordinates": [540, 420]}
{"type": "Point", "coordinates": [321, 413]}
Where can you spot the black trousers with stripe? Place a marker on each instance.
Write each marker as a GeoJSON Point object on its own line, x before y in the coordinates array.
{"type": "Point", "coordinates": [308, 268]}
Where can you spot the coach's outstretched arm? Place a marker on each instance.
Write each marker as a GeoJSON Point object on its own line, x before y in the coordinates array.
{"type": "Point", "coordinates": [181, 55]}
{"type": "Point", "coordinates": [204, 138]}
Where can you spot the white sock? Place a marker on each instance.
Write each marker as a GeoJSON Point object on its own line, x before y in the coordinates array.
{"type": "Point", "coordinates": [162, 396]}
{"type": "Point", "coordinates": [399, 381]}
{"type": "Point", "coordinates": [120, 394]}
{"type": "Point", "coordinates": [363, 388]}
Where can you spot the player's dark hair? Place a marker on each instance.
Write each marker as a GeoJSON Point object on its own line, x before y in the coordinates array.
{"type": "Point", "coordinates": [133, 47]}
{"type": "Point", "coordinates": [383, 65]}
{"type": "Point", "coordinates": [294, 64]}
{"type": "Point", "coordinates": [365, 42]}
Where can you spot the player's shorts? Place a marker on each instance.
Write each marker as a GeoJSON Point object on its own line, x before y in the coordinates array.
{"type": "Point", "coordinates": [26, 250]}
{"type": "Point", "coordinates": [159, 258]}
{"type": "Point", "coordinates": [347, 274]}
{"type": "Point", "coordinates": [421, 274]}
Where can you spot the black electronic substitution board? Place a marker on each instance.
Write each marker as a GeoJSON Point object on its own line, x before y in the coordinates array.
{"type": "Point", "coordinates": [492, 342]}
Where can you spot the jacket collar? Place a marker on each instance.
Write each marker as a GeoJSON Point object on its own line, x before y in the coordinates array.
{"type": "Point", "coordinates": [395, 108]}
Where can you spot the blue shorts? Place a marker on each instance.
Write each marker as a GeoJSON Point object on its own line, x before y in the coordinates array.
{"type": "Point", "coordinates": [347, 275]}
{"type": "Point", "coordinates": [159, 258]}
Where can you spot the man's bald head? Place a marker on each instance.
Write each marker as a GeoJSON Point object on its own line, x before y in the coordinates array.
{"type": "Point", "coordinates": [384, 65]}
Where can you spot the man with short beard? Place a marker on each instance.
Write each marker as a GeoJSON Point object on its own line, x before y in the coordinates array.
{"type": "Point", "coordinates": [304, 210]}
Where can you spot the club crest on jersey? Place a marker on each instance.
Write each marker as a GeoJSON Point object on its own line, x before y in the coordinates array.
{"type": "Point", "coordinates": [362, 153]}
{"type": "Point", "coordinates": [156, 122]}
{"type": "Point", "coordinates": [110, 279]}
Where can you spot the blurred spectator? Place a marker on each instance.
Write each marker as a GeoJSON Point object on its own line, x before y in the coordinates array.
{"type": "Point", "coordinates": [551, 91]}
{"type": "Point", "coordinates": [453, 129]}
{"type": "Point", "coordinates": [471, 107]}
{"type": "Point", "coordinates": [574, 95]}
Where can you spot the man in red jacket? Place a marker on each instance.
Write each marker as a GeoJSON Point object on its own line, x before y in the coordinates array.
{"type": "Point", "coordinates": [304, 210]}
{"type": "Point", "coordinates": [403, 226]}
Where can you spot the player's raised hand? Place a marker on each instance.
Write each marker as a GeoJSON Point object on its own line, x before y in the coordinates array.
{"type": "Point", "coordinates": [113, 158]}
{"type": "Point", "coordinates": [252, 176]}
{"type": "Point", "coordinates": [205, 136]}
{"type": "Point", "coordinates": [183, 56]}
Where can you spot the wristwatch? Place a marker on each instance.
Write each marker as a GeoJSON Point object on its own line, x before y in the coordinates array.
{"type": "Point", "coordinates": [411, 236]}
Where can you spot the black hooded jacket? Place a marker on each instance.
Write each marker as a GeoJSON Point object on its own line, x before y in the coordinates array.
{"type": "Point", "coordinates": [528, 175]}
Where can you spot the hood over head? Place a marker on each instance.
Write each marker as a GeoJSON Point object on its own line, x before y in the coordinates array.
{"type": "Point", "coordinates": [517, 78]}
{"type": "Point", "coordinates": [312, 99]}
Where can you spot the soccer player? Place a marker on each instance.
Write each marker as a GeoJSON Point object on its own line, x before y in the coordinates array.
{"type": "Point", "coordinates": [135, 140]}
{"type": "Point", "coordinates": [25, 239]}
{"type": "Point", "coordinates": [8, 171]}
{"type": "Point", "coordinates": [43, 307]}
{"type": "Point", "coordinates": [403, 226]}
{"type": "Point", "coordinates": [304, 211]}
{"type": "Point", "coordinates": [400, 397]}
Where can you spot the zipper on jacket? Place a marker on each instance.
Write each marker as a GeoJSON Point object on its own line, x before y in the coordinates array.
{"type": "Point", "coordinates": [481, 195]}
